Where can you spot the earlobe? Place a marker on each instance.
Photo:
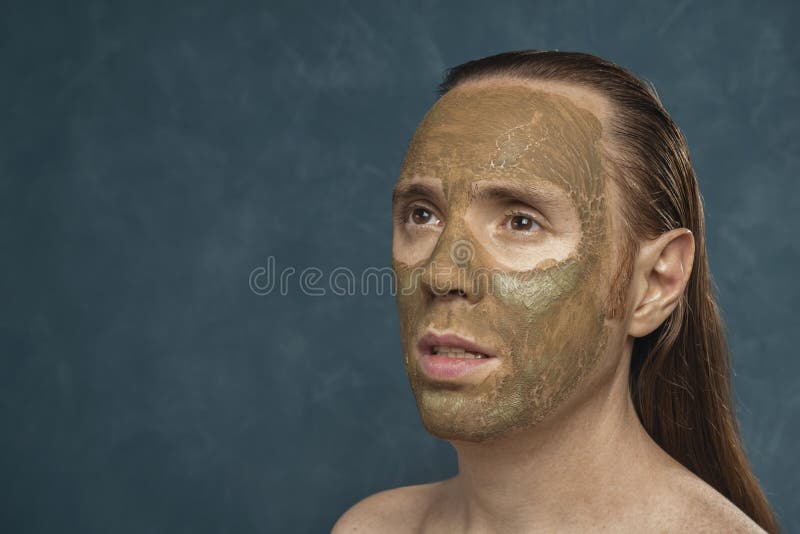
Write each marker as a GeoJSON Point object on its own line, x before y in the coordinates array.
{"type": "Point", "coordinates": [662, 272]}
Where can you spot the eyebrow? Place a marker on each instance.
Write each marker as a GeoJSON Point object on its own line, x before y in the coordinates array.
{"type": "Point", "coordinates": [527, 193]}
{"type": "Point", "coordinates": [414, 189]}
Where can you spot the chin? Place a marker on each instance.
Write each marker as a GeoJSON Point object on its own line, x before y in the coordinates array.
{"type": "Point", "coordinates": [453, 416]}
{"type": "Point", "coordinates": [476, 426]}
{"type": "Point", "coordinates": [472, 435]}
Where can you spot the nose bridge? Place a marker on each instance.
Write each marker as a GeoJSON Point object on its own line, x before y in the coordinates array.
{"type": "Point", "coordinates": [455, 246]}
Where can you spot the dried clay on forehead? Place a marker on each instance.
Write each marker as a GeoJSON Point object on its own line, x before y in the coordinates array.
{"type": "Point", "coordinates": [475, 130]}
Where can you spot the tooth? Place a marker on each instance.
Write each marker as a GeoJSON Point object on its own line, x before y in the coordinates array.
{"type": "Point", "coordinates": [455, 352]}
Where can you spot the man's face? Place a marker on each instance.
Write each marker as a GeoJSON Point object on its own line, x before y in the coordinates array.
{"type": "Point", "coordinates": [501, 199]}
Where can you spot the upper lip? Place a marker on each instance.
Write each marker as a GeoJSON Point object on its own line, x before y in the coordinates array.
{"type": "Point", "coordinates": [431, 339]}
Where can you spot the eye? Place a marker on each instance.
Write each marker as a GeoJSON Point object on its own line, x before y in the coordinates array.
{"type": "Point", "coordinates": [521, 222]}
{"type": "Point", "coordinates": [422, 216]}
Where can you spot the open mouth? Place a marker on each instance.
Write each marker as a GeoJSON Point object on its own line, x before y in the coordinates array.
{"type": "Point", "coordinates": [448, 357]}
{"type": "Point", "coordinates": [451, 346]}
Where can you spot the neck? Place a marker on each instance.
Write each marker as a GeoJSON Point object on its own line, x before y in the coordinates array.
{"type": "Point", "coordinates": [570, 470]}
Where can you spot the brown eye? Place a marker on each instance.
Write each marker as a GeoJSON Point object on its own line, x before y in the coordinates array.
{"type": "Point", "coordinates": [421, 216]}
{"type": "Point", "coordinates": [522, 223]}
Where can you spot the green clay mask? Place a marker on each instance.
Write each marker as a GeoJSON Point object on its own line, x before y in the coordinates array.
{"type": "Point", "coordinates": [501, 194]}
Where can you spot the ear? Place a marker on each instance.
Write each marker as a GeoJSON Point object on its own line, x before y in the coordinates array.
{"type": "Point", "coordinates": [662, 271]}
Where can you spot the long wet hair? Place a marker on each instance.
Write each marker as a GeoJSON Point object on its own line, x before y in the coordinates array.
{"type": "Point", "coordinates": [680, 373]}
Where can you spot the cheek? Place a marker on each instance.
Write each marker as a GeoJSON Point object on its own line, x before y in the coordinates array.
{"type": "Point", "coordinates": [407, 294]}
{"type": "Point", "coordinates": [411, 248]}
{"type": "Point", "coordinates": [550, 318]}
{"type": "Point", "coordinates": [528, 295]}
{"type": "Point", "coordinates": [554, 334]}
{"type": "Point", "coordinates": [405, 300]}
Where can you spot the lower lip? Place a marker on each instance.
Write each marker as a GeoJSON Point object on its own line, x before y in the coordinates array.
{"type": "Point", "coordinates": [444, 368]}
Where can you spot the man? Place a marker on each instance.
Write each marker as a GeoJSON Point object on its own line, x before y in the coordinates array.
{"type": "Point", "coordinates": [525, 276]}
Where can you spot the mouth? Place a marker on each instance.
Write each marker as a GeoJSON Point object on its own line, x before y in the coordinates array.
{"type": "Point", "coordinates": [449, 357]}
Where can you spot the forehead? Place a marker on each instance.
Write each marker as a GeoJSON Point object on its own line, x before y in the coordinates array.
{"type": "Point", "coordinates": [514, 130]}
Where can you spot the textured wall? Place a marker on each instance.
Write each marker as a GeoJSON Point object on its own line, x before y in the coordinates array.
{"type": "Point", "coordinates": [152, 156]}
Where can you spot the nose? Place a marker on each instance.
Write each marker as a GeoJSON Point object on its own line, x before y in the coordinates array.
{"type": "Point", "coordinates": [448, 275]}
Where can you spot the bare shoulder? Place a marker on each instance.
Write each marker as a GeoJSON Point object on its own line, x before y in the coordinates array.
{"type": "Point", "coordinates": [695, 506]}
{"type": "Point", "coordinates": [397, 510]}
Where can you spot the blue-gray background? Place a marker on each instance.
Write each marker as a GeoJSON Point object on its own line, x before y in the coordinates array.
{"type": "Point", "coordinates": [151, 156]}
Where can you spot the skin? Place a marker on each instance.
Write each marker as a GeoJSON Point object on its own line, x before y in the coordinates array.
{"type": "Point", "coordinates": [546, 434]}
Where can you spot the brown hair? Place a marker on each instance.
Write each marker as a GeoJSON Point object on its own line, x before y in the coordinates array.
{"type": "Point", "coordinates": [680, 373]}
